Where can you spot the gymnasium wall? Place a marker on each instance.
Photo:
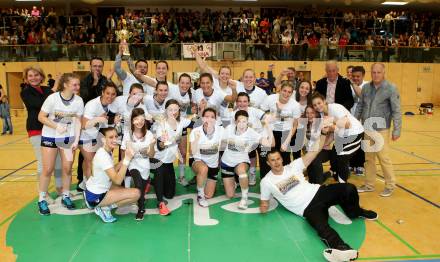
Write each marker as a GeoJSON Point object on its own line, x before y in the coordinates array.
{"type": "Point", "coordinates": [417, 83]}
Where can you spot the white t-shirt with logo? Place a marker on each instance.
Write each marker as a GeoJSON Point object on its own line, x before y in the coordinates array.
{"type": "Point", "coordinates": [122, 107]}
{"type": "Point", "coordinates": [215, 100]}
{"type": "Point", "coordinates": [283, 117]}
{"type": "Point", "coordinates": [169, 153]}
{"type": "Point", "coordinates": [238, 146]}
{"type": "Point", "coordinates": [184, 100]}
{"type": "Point", "coordinates": [338, 111]}
{"type": "Point", "coordinates": [67, 112]}
{"type": "Point", "coordinates": [140, 160]}
{"type": "Point", "coordinates": [257, 95]}
{"type": "Point", "coordinates": [291, 189]}
{"type": "Point", "coordinates": [224, 110]}
{"type": "Point", "coordinates": [93, 109]}
{"type": "Point", "coordinates": [131, 79]}
{"type": "Point", "coordinates": [153, 107]}
{"type": "Point", "coordinates": [255, 117]}
{"type": "Point", "coordinates": [100, 182]}
{"type": "Point", "coordinates": [208, 147]}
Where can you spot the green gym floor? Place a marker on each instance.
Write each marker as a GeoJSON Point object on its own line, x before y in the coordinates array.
{"type": "Point", "coordinates": [408, 227]}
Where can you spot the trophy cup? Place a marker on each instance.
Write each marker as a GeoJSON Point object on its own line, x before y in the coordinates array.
{"type": "Point", "coordinates": [123, 35]}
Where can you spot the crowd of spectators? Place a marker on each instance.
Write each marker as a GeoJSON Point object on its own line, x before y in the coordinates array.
{"type": "Point", "coordinates": [270, 33]}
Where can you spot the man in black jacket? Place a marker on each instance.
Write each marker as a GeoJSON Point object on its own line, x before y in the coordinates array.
{"type": "Point", "coordinates": [92, 84]}
{"type": "Point", "coordinates": [91, 87]}
{"type": "Point", "coordinates": [334, 87]}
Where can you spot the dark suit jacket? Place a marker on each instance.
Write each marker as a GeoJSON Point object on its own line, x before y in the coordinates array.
{"type": "Point", "coordinates": [343, 93]}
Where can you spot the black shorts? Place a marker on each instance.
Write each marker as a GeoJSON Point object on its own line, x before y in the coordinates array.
{"type": "Point", "coordinates": [52, 142]}
{"type": "Point", "coordinates": [212, 172]}
{"type": "Point", "coordinates": [227, 171]}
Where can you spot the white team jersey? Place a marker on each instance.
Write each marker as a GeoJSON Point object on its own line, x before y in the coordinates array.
{"type": "Point", "coordinates": [291, 189]}
{"type": "Point", "coordinates": [208, 146]}
{"type": "Point", "coordinates": [170, 153]}
{"type": "Point", "coordinates": [256, 95]}
{"type": "Point", "coordinates": [338, 111]}
{"type": "Point", "coordinates": [283, 116]}
{"type": "Point", "coordinates": [140, 160]}
{"type": "Point", "coordinates": [93, 109]}
{"type": "Point", "coordinates": [122, 107]}
{"type": "Point", "coordinates": [255, 117]}
{"type": "Point", "coordinates": [131, 79]}
{"type": "Point", "coordinates": [67, 112]}
{"type": "Point", "coordinates": [184, 100]}
{"type": "Point", "coordinates": [215, 100]}
{"type": "Point", "coordinates": [224, 110]}
{"type": "Point", "coordinates": [154, 108]}
{"type": "Point", "coordinates": [100, 182]}
{"type": "Point", "coordinates": [238, 146]}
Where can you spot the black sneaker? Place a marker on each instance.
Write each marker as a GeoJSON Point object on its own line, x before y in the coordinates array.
{"type": "Point", "coordinates": [140, 215]}
{"type": "Point", "coordinates": [368, 214]}
{"type": "Point", "coordinates": [67, 203]}
{"type": "Point", "coordinates": [43, 208]}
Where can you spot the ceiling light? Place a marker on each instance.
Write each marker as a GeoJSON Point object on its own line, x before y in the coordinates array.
{"type": "Point", "coordinates": [394, 3]}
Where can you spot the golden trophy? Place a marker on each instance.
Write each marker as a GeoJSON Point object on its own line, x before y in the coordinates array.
{"type": "Point", "coordinates": [122, 36]}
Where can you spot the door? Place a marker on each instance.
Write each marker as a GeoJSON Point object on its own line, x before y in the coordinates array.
{"type": "Point", "coordinates": [14, 79]}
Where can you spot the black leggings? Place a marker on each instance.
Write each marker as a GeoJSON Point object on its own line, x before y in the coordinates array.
{"type": "Point", "coordinates": [140, 184]}
{"type": "Point", "coordinates": [164, 181]}
{"type": "Point", "coordinates": [316, 213]}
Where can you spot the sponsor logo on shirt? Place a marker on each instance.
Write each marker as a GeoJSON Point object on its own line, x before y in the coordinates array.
{"type": "Point", "coordinates": [287, 184]}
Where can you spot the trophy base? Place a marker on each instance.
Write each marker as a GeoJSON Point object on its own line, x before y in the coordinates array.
{"type": "Point", "coordinates": [125, 56]}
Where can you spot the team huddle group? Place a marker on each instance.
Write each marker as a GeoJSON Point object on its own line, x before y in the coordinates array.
{"type": "Point", "coordinates": [229, 124]}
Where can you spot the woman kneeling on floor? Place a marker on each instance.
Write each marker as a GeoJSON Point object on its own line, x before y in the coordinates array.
{"type": "Point", "coordinates": [103, 191]}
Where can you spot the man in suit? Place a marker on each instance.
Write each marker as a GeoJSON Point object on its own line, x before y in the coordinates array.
{"type": "Point", "coordinates": [334, 87]}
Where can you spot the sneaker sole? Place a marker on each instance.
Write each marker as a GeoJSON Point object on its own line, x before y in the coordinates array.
{"type": "Point", "coordinates": [371, 219]}
{"type": "Point", "coordinates": [340, 255]}
{"type": "Point", "coordinates": [139, 219]}
{"type": "Point", "coordinates": [47, 214]}
{"type": "Point", "coordinates": [386, 195]}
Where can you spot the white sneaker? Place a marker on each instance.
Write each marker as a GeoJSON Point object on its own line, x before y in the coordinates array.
{"type": "Point", "coordinates": [252, 179]}
{"type": "Point", "coordinates": [336, 255]}
{"type": "Point", "coordinates": [182, 181]}
{"type": "Point", "coordinates": [243, 204]}
{"type": "Point", "coordinates": [202, 201]}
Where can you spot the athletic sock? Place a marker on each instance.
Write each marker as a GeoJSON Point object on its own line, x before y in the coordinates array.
{"type": "Point", "coordinates": [181, 170]}
{"type": "Point", "coordinates": [252, 170]}
{"type": "Point", "coordinates": [127, 181]}
{"type": "Point", "coordinates": [200, 191]}
{"type": "Point", "coordinates": [66, 194]}
{"type": "Point", "coordinates": [244, 193]}
{"type": "Point", "coordinates": [42, 196]}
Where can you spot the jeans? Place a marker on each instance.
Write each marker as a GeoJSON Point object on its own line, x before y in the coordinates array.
{"type": "Point", "coordinates": [7, 125]}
